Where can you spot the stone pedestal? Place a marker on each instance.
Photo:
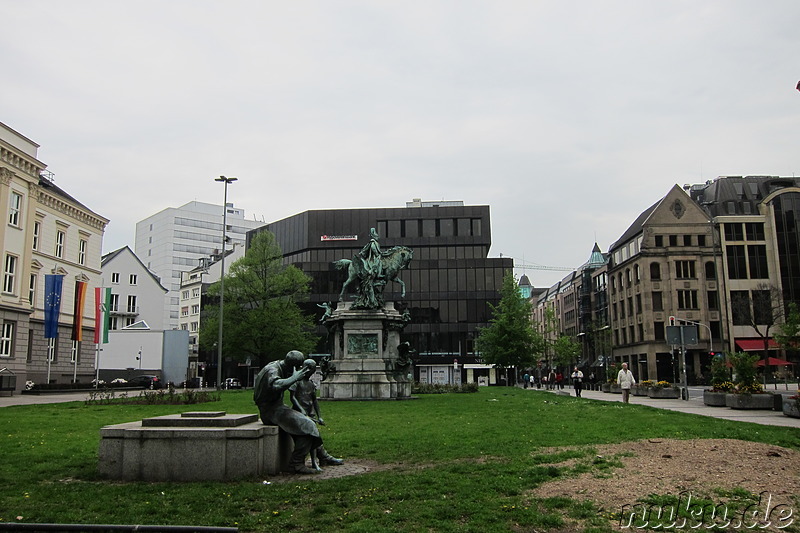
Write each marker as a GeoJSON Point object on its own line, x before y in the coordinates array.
{"type": "Point", "coordinates": [196, 446]}
{"type": "Point", "coordinates": [365, 355]}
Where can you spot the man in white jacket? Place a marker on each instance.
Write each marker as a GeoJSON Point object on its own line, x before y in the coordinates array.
{"type": "Point", "coordinates": [625, 380]}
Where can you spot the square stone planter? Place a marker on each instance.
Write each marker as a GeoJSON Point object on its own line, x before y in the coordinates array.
{"type": "Point", "coordinates": [667, 393]}
{"type": "Point", "coordinates": [749, 401]}
{"type": "Point", "coordinates": [791, 408]}
{"type": "Point", "coordinates": [714, 398]}
{"type": "Point", "coordinates": [616, 389]}
{"type": "Point", "coordinates": [605, 387]}
{"type": "Point", "coordinates": [638, 390]}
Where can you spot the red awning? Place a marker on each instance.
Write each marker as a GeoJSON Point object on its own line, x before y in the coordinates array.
{"type": "Point", "coordinates": [774, 361]}
{"type": "Point", "coordinates": [755, 345]}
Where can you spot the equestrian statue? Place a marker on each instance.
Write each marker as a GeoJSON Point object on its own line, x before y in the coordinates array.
{"type": "Point", "coordinates": [373, 268]}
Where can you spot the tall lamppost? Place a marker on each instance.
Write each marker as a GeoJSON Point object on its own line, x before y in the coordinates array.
{"type": "Point", "coordinates": [226, 181]}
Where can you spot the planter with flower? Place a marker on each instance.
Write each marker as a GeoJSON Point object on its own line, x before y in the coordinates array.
{"type": "Point", "coordinates": [749, 394]}
{"type": "Point", "coordinates": [664, 389]}
{"type": "Point", "coordinates": [641, 388]}
{"type": "Point", "coordinates": [791, 405]}
{"type": "Point", "coordinates": [715, 396]}
{"type": "Point", "coordinates": [721, 384]}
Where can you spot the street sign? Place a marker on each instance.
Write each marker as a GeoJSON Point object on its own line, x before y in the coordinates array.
{"type": "Point", "coordinates": [682, 335]}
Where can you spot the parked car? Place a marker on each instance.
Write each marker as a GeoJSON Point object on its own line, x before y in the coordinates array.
{"type": "Point", "coordinates": [232, 383]}
{"type": "Point", "coordinates": [191, 383]}
{"type": "Point", "coordinates": [147, 382]}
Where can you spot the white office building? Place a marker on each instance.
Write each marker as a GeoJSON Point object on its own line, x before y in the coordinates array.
{"type": "Point", "coordinates": [174, 240]}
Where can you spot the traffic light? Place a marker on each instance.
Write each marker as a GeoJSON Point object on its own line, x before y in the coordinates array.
{"type": "Point", "coordinates": [672, 321]}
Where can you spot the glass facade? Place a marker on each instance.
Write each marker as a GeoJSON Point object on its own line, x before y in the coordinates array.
{"type": "Point", "coordinates": [787, 222]}
{"type": "Point", "coordinates": [450, 284]}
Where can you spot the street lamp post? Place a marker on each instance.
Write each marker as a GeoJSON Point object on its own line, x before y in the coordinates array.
{"type": "Point", "coordinates": [226, 181]}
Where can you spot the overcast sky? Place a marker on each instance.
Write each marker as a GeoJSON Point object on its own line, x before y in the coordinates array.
{"type": "Point", "coordinates": [568, 118]}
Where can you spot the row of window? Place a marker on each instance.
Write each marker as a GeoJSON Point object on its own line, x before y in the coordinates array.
{"type": "Point", "coordinates": [195, 310]}
{"type": "Point", "coordinates": [195, 293]}
{"type": "Point", "coordinates": [132, 279]}
{"type": "Point", "coordinates": [439, 227]}
{"type": "Point", "coordinates": [680, 240]}
{"type": "Point", "coordinates": [7, 330]}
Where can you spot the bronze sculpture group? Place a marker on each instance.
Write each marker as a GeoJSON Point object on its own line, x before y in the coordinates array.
{"type": "Point", "coordinates": [372, 268]}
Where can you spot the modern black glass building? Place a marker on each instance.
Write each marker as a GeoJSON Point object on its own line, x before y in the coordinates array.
{"type": "Point", "coordinates": [449, 284]}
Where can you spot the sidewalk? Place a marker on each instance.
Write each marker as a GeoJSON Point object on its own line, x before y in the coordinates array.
{"type": "Point", "coordinates": [694, 406]}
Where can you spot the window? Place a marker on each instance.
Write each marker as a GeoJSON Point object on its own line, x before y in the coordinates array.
{"type": "Point", "coordinates": [655, 271]}
{"type": "Point", "coordinates": [733, 231]}
{"type": "Point", "coordinates": [701, 240]}
{"type": "Point", "coordinates": [82, 252]}
{"type": "Point", "coordinates": [196, 293]}
{"type": "Point", "coordinates": [9, 274]}
{"type": "Point", "coordinates": [14, 208]}
{"type": "Point", "coordinates": [75, 352]}
{"type": "Point", "coordinates": [711, 270]}
{"type": "Point", "coordinates": [754, 231]}
{"type": "Point", "coordinates": [59, 251]}
{"type": "Point", "coordinates": [762, 308]}
{"type": "Point", "coordinates": [757, 257]}
{"type": "Point", "coordinates": [713, 300]}
{"type": "Point", "coordinates": [184, 295]}
{"type": "Point", "coordinates": [37, 231]}
{"type": "Point", "coordinates": [737, 263]}
{"type": "Point", "coordinates": [114, 302]}
{"type": "Point", "coordinates": [195, 309]}
{"type": "Point", "coordinates": [115, 277]}
{"type": "Point", "coordinates": [193, 327]}
{"type": "Point", "coordinates": [132, 304]}
{"type": "Point", "coordinates": [113, 323]}
{"type": "Point", "coordinates": [659, 241]}
{"type": "Point", "coordinates": [132, 279]}
{"type": "Point", "coordinates": [658, 301]}
{"type": "Point", "coordinates": [7, 339]}
{"type": "Point", "coordinates": [185, 311]}
{"type": "Point", "coordinates": [685, 270]}
{"type": "Point", "coordinates": [687, 299]}
{"type": "Point", "coordinates": [658, 331]}
{"type": "Point", "coordinates": [740, 308]}
{"type": "Point", "coordinates": [673, 240]}
{"type": "Point", "coordinates": [32, 291]}
{"type": "Point", "coordinates": [687, 240]}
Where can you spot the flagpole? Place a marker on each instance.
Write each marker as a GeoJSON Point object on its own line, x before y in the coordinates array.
{"type": "Point", "coordinates": [49, 357]}
{"type": "Point", "coordinates": [96, 365]}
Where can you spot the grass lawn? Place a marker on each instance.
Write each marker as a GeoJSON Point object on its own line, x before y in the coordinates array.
{"type": "Point", "coordinates": [469, 462]}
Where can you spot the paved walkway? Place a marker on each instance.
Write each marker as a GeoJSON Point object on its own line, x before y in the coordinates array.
{"type": "Point", "coordinates": [695, 405]}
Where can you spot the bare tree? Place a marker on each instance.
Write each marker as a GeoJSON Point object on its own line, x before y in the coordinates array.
{"type": "Point", "coordinates": [762, 309]}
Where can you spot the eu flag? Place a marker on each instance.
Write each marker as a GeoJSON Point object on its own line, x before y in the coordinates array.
{"type": "Point", "coordinates": [52, 304]}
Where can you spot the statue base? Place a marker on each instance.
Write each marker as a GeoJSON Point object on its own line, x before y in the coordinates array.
{"type": "Point", "coordinates": [365, 355]}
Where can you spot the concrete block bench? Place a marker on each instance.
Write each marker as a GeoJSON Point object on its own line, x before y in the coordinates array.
{"type": "Point", "coordinates": [193, 446]}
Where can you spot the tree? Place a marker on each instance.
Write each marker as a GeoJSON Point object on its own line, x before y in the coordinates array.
{"type": "Point", "coordinates": [788, 334]}
{"type": "Point", "coordinates": [566, 350]}
{"type": "Point", "coordinates": [767, 310]}
{"type": "Point", "coordinates": [261, 317]}
{"type": "Point", "coordinates": [509, 339]}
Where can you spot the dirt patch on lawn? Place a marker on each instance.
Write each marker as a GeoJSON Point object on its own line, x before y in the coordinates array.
{"type": "Point", "coordinates": [666, 466]}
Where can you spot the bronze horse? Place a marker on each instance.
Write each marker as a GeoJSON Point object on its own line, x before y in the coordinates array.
{"type": "Point", "coordinates": [392, 262]}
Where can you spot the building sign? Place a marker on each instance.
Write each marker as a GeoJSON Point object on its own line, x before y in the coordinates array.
{"type": "Point", "coordinates": [338, 238]}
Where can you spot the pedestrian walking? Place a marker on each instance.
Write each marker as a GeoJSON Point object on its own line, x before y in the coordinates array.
{"type": "Point", "coordinates": [625, 380]}
{"type": "Point", "coordinates": [577, 381]}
